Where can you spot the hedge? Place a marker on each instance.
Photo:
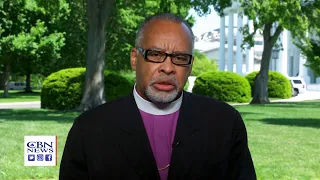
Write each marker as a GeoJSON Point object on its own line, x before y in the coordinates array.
{"type": "Point", "coordinates": [224, 86]}
{"type": "Point", "coordinates": [202, 64]}
{"type": "Point", "coordinates": [278, 85]}
{"type": "Point", "coordinates": [63, 90]}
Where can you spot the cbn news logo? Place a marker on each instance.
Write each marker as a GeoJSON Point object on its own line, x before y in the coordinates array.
{"type": "Point", "coordinates": [40, 150]}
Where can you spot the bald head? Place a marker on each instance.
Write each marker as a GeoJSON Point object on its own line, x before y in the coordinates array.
{"type": "Point", "coordinates": [165, 17]}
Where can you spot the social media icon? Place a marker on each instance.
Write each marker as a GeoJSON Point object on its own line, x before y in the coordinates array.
{"type": "Point", "coordinates": [48, 157]}
{"type": "Point", "coordinates": [39, 157]}
{"type": "Point", "coordinates": [31, 157]}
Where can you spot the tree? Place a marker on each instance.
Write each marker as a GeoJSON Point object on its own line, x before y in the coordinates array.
{"type": "Point", "coordinates": [202, 64]}
{"type": "Point", "coordinates": [122, 19]}
{"type": "Point", "coordinates": [11, 23]}
{"type": "Point", "coordinates": [124, 23]}
{"type": "Point", "coordinates": [295, 16]}
{"type": "Point", "coordinates": [98, 15]}
{"type": "Point", "coordinates": [36, 51]}
{"type": "Point", "coordinates": [313, 57]}
{"type": "Point", "coordinates": [29, 42]}
{"type": "Point", "coordinates": [75, 27]}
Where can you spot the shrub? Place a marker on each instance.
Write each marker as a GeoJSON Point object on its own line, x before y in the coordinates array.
{"type": "Point", "coordinates": [202, 64]}
{"type": "Point", "coordinates": [224, 86]}
{"type": "Point", "coordinates": [63, 90]}
{"type": "Point", "coordinates": [186, 86]}
{"type": "Point", "coordinates": [278, 85]}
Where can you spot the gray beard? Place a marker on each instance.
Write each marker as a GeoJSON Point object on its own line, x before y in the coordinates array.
{"type": "Point", "coordinates": [161, 97]}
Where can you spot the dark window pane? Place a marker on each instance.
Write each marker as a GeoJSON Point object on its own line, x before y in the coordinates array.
{"type": "Point", "coordinates": [297, 81]}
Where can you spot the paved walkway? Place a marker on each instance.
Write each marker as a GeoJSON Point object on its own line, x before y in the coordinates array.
{"type": "Point", "coordinates": [20, 105]}
{"type": "Point", "coordinates": [308, 95]}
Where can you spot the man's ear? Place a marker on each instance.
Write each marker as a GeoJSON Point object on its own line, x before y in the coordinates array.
{"type": "Point", "coordinates": [133, 58]}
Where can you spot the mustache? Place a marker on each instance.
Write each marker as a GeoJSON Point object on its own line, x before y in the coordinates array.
{"type": "Point", "coordinates": [164, 78]}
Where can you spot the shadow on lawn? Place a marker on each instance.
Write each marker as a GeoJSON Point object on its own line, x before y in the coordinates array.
{"type": "Point", "coordinates": [307, 122]}
{"type": "Point", "coordinates": [36, 115]}
{"type": "Point", "coordinates": [305, 104]}
{"type": "Point", "coordinates": [22, 95]}
{"type": "Point", "coordinates": [295, 104]}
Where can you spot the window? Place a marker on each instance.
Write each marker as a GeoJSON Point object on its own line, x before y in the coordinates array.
{"type": "Point", "coordinates": [297, 81]}
{"type": "Point", "coordinates": [258, 43]}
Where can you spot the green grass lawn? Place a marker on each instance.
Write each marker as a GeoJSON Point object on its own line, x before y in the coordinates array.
{"type": "Point", "coordinates": [284, 139]}
{"type": "Point", "coordinates": [20, 96]}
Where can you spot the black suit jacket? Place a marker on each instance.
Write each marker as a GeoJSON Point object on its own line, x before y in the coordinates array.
{"type": "Point", "coordinates": [110, 142]}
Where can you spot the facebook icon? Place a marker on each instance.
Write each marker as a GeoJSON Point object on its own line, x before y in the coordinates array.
{"type": "Point", "coordinates": [48, 157]}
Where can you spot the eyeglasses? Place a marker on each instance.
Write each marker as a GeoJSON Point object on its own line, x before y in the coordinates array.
{"type": "Point", "coordinates": [159, 57]}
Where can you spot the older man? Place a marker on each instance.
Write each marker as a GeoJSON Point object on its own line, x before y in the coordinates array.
{"type": "Point", "coordinates": [159, 131]}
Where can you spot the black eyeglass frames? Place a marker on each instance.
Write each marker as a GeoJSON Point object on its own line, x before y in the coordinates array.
{"type": "Point", "coordinates": [159, 56]}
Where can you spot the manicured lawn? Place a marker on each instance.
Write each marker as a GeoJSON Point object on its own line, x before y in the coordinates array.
{"type": "Point", "coordinates": [283, 139]}
{"type": "Point", "coordinates": [14, 125]}
{"type": "Point", "coordinates": [20, 96]}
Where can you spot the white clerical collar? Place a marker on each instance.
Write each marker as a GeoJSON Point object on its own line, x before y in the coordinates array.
{"type": "Point", "coordinates": [151, 108]}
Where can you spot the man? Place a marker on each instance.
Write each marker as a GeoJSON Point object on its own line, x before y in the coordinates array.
{"type": "Point", "coordinates": [159, 131]}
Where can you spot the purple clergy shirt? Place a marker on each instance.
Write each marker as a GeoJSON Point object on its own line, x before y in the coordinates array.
{"type": "Point", "coordinates": [161, 130]}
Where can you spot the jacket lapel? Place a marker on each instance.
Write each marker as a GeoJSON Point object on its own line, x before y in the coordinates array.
{"type": "Point", "coordinates": [186, 140]}
{"type": "Point", "coordinates": [133, 141]}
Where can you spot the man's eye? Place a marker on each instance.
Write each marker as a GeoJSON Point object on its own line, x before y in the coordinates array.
{"type": "Point", "coordinates": [154, 53]}
{"type": "Point", "coordinates": [181, 58]}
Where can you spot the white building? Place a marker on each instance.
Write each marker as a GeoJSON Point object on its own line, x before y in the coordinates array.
{"type": "Point", "coordinates": [225, 47]}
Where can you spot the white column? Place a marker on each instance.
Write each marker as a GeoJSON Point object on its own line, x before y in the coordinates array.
{"type": "Point", "coordinates": [230, 43]}
{"type": "Point", "coordinates": [222, 58]}
{"type": "Point", "coordinates": [284, 54]}
{"type": "Point", "coordinates": [239, 56]}
{"type": "Point", "coordinates": [296, 56]}
{"type": "Point", "coordinates": [249, 52]}
{"type": "Point", "coordinates": [270, 64]}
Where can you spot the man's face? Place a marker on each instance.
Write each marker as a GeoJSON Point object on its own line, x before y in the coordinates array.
{"type": "Point", "coordinates": [162, 82]}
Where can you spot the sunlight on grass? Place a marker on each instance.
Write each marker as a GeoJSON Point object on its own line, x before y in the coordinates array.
{"type": "Point", "coordinates": [283, 139]}
{"type": "Point", "coordinates": [14, 125]}
{"type": "Point", "coordinates": [20, 96]}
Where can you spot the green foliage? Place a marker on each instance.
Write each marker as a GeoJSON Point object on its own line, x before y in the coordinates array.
{"type": "Point", "coordinates": [202, 64]}
{"type": "Point", "coordinates": [36, 79]}
{"type": "Point", "coordinates": [278, 85]}
{"type": "Point", "coordinates": [75, 28]}
{"type": "Point", "coordinates": [224, 86]}
{"type": "Point", "coordinates": [29, 39]}
{"type": "Point", "coordinates": [299, 17]}
{"type": "Point", "coordinates": [313, 57]}
{"type": "Point", "coordinates": [63, 90]}
{"type": "Point", "coordinates": [186, 86]}
{"type": "Point", "coordinates": [122, 27]}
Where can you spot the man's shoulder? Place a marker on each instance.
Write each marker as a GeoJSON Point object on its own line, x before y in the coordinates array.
{"type": "Point", "coordinates": [106, 110]}
{"type": "Point", "coordinates": [215, 112]}
{"type": "Point", "coordinates": [205, 102]}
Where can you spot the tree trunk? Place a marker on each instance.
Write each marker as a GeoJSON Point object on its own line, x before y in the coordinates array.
{"type": "Point", "coordinates": [98, 14]}
{"type": "Point", "coordinates": [28, 83]}
{"type": "Point", "coordinates": [260, 94]}
{"type": "Point", "coordinates": [6, 76]}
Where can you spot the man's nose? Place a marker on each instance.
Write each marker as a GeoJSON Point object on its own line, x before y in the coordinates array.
{"type": "Point", "coordinates": [167, 66]}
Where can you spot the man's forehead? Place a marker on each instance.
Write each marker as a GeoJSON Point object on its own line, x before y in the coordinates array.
{"type": "Point", "coordinates": [162, 23]}
{"type": "Point", "coordinates": [167, 28]}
